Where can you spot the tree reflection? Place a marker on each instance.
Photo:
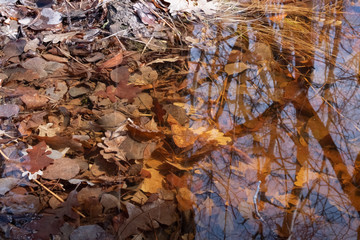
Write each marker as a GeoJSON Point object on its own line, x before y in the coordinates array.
{"type": "Point", "coordinates": [293, 118]}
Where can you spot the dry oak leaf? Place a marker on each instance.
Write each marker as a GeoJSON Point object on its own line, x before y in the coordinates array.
{"type": "Point", "coordinates": [37, 158]}
{"type": "Point", "coordinates": [33, 101]}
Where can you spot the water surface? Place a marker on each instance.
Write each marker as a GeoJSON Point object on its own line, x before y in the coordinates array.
{"type": "Point", "coordinates": [284, 87]}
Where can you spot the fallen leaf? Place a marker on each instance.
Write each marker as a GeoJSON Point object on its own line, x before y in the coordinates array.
{"type": "Point", "coordinates": [55, 38]}
{"type": "Point", "coordinates": [58, 142]}
{"type": "Point", "coordinates": [182, 136]}
{"type": "Point", "coordinates": [154, 183]}
{"type": "Point", "coordinates": [88, 232]}
{"type": "Point", "coordinates": [185, 198]}
{"type": "Point", "coordinates": [113, 62]}
{"type": "Point", "coordinates": [145, 218]}
{"type": "Point", "coordinates": [33, 101]}
{"type": "Point", "coordinates": [51, 57]}
{"type": "Point", "coordinates": [63, 168]}
{"type": "Point", "coordinates": [6, 184]}
{"type": "Point", "coordinates": [18, 204]}
{"type": "Point", "coordinates": [175, 181]}
{"type": "Point", "coordinates": [9, 110]}
{"type": "Point", "coordinates": [120, 74]}
{"type": "Point", "coordinates": [159, 111]}
{"type": "Point", "coordinates": [67, 206]}
{"type": "Point", "coordinates": [234, 68]}
{"type": "Point", "coordinates": [126, 91]}
{"type": "Point", "coordinates": [42, 232]}
{"type": "Point", "coordinates": [37, 158]}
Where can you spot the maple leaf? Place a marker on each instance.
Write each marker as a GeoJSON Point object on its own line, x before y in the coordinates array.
{"type": "Point", "coordinates": [37, 158]}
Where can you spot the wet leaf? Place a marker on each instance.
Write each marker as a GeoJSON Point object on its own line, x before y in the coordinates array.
{"type": "Point", "coordinates": [182, 136]}
{"type": "Point", "coordinates": [142, 219]}
{"type": "Point", "coordinates": [37, 158]}
{"type": "Point", "coordinates": [305, 175]}
{"type": "Point", "coordinates": [278, 17]}
{"type": "Point", "coordinates": [234, 68]}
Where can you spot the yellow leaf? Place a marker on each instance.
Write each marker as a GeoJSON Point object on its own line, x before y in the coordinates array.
{"type": "Point", "coordinates": [153, 184]}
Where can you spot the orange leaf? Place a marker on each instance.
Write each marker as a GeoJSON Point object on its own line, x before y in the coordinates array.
{"type": "Point", "coordinates": [278, 18]}
{"type": "Point", "coordinates": [114, 61]}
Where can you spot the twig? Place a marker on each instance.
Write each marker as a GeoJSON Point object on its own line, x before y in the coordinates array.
{"type": "Point", "coordinates": [57, 196]}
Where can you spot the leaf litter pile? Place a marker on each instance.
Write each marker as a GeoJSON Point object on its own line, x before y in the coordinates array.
{"type": "Point", "coordinates": [91, 139]}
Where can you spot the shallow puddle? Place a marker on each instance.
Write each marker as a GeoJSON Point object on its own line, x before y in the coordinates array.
{"type": "Point", "coordinates": [284, 106]}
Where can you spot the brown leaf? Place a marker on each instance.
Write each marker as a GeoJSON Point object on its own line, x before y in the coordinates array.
{"type": "Point", "coordinates": [33, 101]}
{"type": "Point", "coordinates": [175, 181]}
{"type": "Point", "coordinates": [145, 173]}
{"type": "Point", "coordinates": [120, 74]}
{"type": "Point", "coordinates": [113, 62]}
{"type": "Point", "coordinates": [59, 142]}
{"type": "Point", "coordinates": [54, 58]}
{"type": "Point", "coordinates": [45, 232]}
{"type": "Point", "coordinates": [142, 134]}
{"type": "Point", "coordinates": [37, 158]}
{"type": "Point", "coordinates": [126, 91]}
{"type": "Point", "coordinates": [67, 206]}
{"type": "Point", "coordinates": [159, 111]}
{"type": "Point", "coordinates": [63, 168]}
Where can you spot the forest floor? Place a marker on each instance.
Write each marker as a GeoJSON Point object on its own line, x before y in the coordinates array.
{"type": "Point", "coordinates": [88, 91]}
